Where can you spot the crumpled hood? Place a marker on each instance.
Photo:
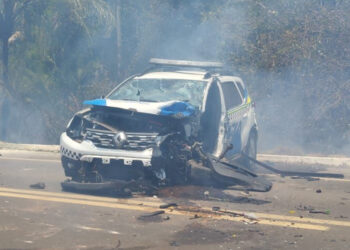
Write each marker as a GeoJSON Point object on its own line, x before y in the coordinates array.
{"type": "Point", "coordinates": [177, 109]}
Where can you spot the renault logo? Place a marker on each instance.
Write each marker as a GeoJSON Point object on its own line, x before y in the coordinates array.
{"type": "Point", "coordinates": [120, 139]}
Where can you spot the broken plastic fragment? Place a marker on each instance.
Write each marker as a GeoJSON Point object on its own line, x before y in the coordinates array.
{"type": "Point", "coordinates": [183, 109]}
{"type": "Point", "coordinates": [97, 102]}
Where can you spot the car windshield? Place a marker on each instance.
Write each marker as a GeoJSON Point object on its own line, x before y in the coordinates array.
{"type": "Point", "coordinates": [160, 90]}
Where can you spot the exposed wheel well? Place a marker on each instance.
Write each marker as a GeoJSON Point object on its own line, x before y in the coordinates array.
{"type": "Point", "coordinates": [254, 132]}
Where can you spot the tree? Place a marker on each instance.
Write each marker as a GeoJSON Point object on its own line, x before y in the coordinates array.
{"type": "Point", "coordinates": [44, 67]}
{"type": "Point", "coordinates": [9, 13]}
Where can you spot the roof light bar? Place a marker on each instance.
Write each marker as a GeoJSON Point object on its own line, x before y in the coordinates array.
{"type": "Point", "coordinates": [183, 63]}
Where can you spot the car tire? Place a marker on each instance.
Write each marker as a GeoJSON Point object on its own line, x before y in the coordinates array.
{"type": "Point", "coordinates": [251, 150]}
{"type": "Point", "coordinates": [70, 167]}
{"type": "Point", "coordinates": [180, 174]}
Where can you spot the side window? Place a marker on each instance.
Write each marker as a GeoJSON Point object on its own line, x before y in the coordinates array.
{"type": "Point", "coordinates": [239, 84]}
{"type": "Point", "coordinates": [231, 95]}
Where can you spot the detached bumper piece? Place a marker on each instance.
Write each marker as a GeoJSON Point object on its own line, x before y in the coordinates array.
{"type": "Point", "coordinates": [119, 187]}
{"type": "Point", "coordinates": [232, 175]}
{"type": "Point", "coordinates": [294, 173]}
{"type": "Point", "coordinates": [103, 187]}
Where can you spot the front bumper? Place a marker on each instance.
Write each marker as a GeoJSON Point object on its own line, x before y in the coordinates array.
{"type": "Point", "coordinates": [87, 151]}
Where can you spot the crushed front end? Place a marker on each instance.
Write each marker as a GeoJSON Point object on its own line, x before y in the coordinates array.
{"type": "Point", "coordinates": [108, 144]}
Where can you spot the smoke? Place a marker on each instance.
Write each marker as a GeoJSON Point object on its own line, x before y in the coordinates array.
{"type": "Point", "coordinates": [292, 55]}
{"type": "Point", "coordinates": [21, 124]}
{"type": "Point", "coordinates": [273, 47]}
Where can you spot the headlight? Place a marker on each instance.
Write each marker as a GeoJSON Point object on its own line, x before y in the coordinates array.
{"type": "Point", "coordinates": [70, 122]}
{"type": "Point", "coordinates": [74, 127]}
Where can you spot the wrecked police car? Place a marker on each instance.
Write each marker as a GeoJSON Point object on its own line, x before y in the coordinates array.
{"type": "Point", "coordinates": [154, 125]}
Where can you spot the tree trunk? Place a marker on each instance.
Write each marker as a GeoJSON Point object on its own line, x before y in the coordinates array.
{"type": "Point", "coordinates": [4, 106]}
{"type": "Point", "coordinates": [119, 39]}
{"type": "Point", "coordinates": [7, 30]}
{"type": "Point", "coordinates": [5, 61]}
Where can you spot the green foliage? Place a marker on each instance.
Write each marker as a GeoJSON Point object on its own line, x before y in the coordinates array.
{"type": "Point", "coordinates": [63, 52]}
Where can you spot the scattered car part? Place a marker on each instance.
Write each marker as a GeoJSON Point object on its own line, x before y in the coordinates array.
{"type": "Point", "coordinates": [75, 186]}
{"type": "Point", "coordinates": [120, 187]}
{"type": "Point", "coordinates": [230, 175]}
{"type": "Point", "coordinates": [196, 216]}
{"type": "Point", "coordinates": [293, 173]}
{"type": "Point", "coordinates": [168, 205]}
{"type": "Point", "coordinates": [151, 214]}
{"type": "Point", "coordinates": [233, 174]}
{"type": "Point", "coordinates": [39, 185]}
{"type": "Point", "coordinates": [314, 211]}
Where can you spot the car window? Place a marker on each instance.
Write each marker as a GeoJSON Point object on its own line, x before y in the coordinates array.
{"type": "Point", "coordinates": [240, 86]}
{"type": "Point", "coordinates": [231, 95]}
{"type": "Point", "coordinates": [161, 90]}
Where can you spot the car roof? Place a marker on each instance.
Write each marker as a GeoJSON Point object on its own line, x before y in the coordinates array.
{"type": "Point", "coordinates": [185, 75]}
{"type": "Point", "coordinates": [230, 78]}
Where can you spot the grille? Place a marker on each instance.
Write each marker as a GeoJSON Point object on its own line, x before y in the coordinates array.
{"type": "Point", "coordinates": [135, 141]}
{"type": "Point", "coordinates": [140, 141]}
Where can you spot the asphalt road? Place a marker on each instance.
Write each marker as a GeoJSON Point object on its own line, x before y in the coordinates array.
{"type": "Point", "coordinates": [53, 219]}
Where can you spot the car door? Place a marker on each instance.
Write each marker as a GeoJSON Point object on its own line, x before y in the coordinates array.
{"type": "Point", "coordinates": [247, 114]}
{"type": "Point", "coordinates": [234, 117]}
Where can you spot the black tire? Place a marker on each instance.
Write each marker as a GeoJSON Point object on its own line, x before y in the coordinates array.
{"type": "Point", "coordinates": [71, 167]}
{"type": "Point", "coordinates": [179, 174]}
{"type": "Point", "coordinates": [251, 150]}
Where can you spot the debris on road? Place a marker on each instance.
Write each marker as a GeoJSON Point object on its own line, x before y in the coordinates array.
{"type": "Point", "coordinates": [166, 218]}
{"type": "Point", "coordinates": [39, 185]}
{"type": "Point", "coordinates": [250, 216]}
{"type": "Point", "coordinates": [306, 178]}
{"type": "Point", "coordinates": [245, 192]}
{"type": "Point", "coordinates": [118, 244]}
{"type": "Point", "coordinates": [215, 208]}
{"type": "Point", "coordinates": [250, 222]}
{"type": "Point", "coordinates": [314, 211]}
{"type": "Point", "coordinates": [168, 205]}
{"type": "Point", "coordinates": [292, 173]}
{"type": "Point", "coordinates": [304, 208]}
{"type": "Point", "coordinates": [173, 244]}
{"type": "Point", "coordinates": [196, 216]}
{"type": "Point", "coordinates": [151, 214]}
{"type": "Point", "coordinates": [318, 191]}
